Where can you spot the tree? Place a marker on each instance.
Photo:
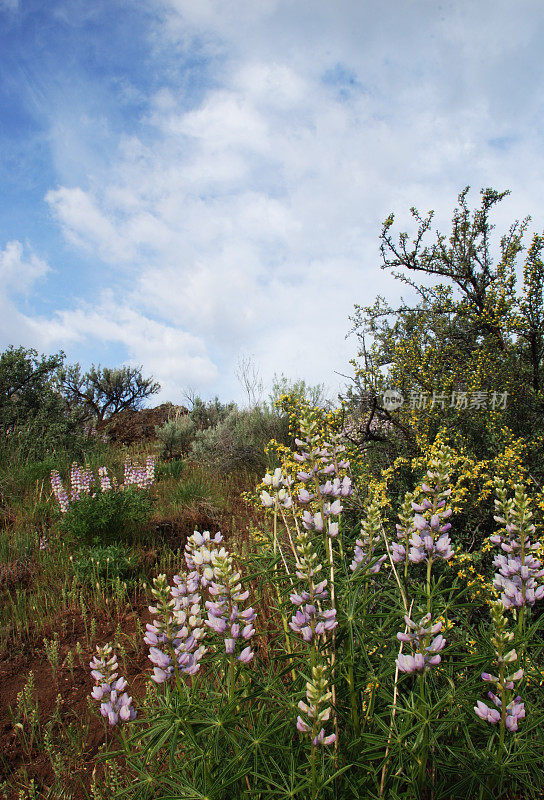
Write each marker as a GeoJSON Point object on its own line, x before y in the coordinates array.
{"type": "Point", "coordinates": [34, 415]}
{"type": "Point", "coordinates": [105, 391]}
{"type": "Point", "coordinates": [473, 332]}
{"type": "Point", "coordinates": [25, 380]}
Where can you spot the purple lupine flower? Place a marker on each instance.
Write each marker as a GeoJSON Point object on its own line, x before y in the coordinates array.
{"type": "Point", "coordinates": [364, 557]}
{"type": "Point", "coordinates": [505, 684]}
{"type": "Point", "coordinates": [428, 529]}
{"type": "Point", "coordinates": [59, 491]}
{"type": "Point", "coordinates": [149, 471]}
{"type": "Point", "coordinates": [105, 482]}
{"type": "Point", "coordinates": [199, 551]}
{"type": "Point", "coordinates": [317, 709]}
{"type": "Point", "coordinates": [224, 615]}
{"type": "Point", "coordinates": [519, 572]}
{"type": "Point", "coordinates": [175, 636]}
{"type": "Point", "coordinates": [308, 621]}
{"type": "Point", "coordinates": [425, 648]}
{"type": "Point", "coordinates": [515, 710]}
{"type": "Point", "coordinates": [116, 705]}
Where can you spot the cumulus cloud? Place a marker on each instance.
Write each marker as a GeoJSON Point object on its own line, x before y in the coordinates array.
{"type": "Point", "coordinates": [174, 356]}
{"type": "Point", "coordinates": [244, 216]}
{"type": "Point", "coordinates": [19, 270]}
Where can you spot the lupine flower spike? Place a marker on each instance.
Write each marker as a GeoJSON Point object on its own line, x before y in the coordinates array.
{"type": "Point", "coordinates": [224, 614]}
{"type": "Point", "coordinates": [317, 709]}
{"type": "Point", "coordinates": [426, 643]}
{"type": "Point", "coordinates": [430, 540]}
{"type": "Point", "coordinates": [519, 572]}
{"type": "Point", "coordinates": [508, 710]}
{"type": "Point", "coordinates": [175, 636]}
{"type": "Point", "coordinates": [364, 559]}
{"type": "Point", "coordinates": [116, 706]}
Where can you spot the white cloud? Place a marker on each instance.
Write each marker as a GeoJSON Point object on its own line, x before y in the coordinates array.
{"type": "Point", "coordinates": [247, 220]}
{"type": "Point", "coordinates": [19, 272]}
{"type": "Point", "coordinates": [176, 358]}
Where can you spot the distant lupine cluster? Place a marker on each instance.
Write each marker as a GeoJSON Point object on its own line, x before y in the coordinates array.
{"type": "Point", "coordinates": [142, 477]}
{"type": "Point", "coordinates": [82, 481]}
{"type": "Point", "coordinates": [116, 706]}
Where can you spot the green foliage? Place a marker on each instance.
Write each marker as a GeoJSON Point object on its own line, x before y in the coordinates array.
{"type": "Point", "coordinates": [35, 419]}
{"type": "Point", "coordinates": [109, 517]}
{"type": "Point", "coordinates": [473, 331]}
{"type": "Point", "coordinates": [209, 414]}
{"type": "Point", "coordinates": [176, 436]}
{"type": "Point", "coordinates": [315, 395]}
{"type": "Point", "coordinates": [166, 470]}
{"type": "Point", "coordinates": [238, 442]}
{"type": "Point", "coordinates": [105, 564]}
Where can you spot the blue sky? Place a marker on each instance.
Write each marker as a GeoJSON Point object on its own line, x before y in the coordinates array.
{"type": "Point", "coordinates": [187, 183]}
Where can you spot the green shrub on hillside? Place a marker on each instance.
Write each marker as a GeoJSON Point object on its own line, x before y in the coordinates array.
{"type": "Point", "coordinates": [176, 436]}
{"type": "Point", "coordinates": [109, 517]}
{"type": "Point", "coordinates": [238, 441]}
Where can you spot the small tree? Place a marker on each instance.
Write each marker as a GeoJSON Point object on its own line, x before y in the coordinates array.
{"type": "Point", "coordinates": [474, 336]}
{"type": "Point", "coordinates": [105, 391]}
{"type": "Point", "coordinates": [33, 412]}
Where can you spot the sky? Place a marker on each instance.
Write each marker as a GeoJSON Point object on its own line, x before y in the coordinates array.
{"type": "Point", "coordinates": [186, 185]}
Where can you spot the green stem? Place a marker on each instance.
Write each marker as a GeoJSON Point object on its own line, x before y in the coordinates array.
{"type": "Point", "coordinates": [425, 741]}
{"type": "Point", "coordinates": [232, 666]}
{"type": "Point", "coordinates": [351, 682]}
{"type": "Point", "coordinates": [429, 568]}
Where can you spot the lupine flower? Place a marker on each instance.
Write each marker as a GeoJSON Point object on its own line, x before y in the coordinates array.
{"type": "Point", "coordinates": [199, 551]}
{"type": "Point", "coordinates": [105, 482]}
{"type": "Point", "coordinates": [277, 480]}
{"type": "Point", "coordinates": [518, 571]}
{"type": "Point", "coordinates": [174, 637]}
{"type": "Point", "coordinates": [371, 534]}
{"type": "Point", "coordinates": [141, 477]}
{"type": "Point", "coordinates": [150, 470]}
{"type": "Point", "coordinates": [309, 620]}
{"type": "Point", "coordinates": [504, 684]}
{"type": "Point", "coordinates": [429, 538]}
{"type": "Point", "coordinates": [425, 651]}
{"type": "Point", "coordinates": [316, 710]}
{"type": "Point", "coordinates": [280, 485]}
{"type": "Point", "coordinates": [401, 548]}
{"type": "Point", "coordinates": [515, 710]}
{"type": "Point", "coordinates": [224, 615]}
{"type": "Point", "coordinates": [59, 491]}
{"type": "Point", "coordinates": [116, 706]}
{"type": "Point", "coordinates": [81, 480]}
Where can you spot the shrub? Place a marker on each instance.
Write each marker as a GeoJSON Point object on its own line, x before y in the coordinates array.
{"type": "Point", "coordinates": [238, 442]}
{"type": "Point", "coordinates": [108, 517]}
{"type": "Point", "coordinates": [176, 436]}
